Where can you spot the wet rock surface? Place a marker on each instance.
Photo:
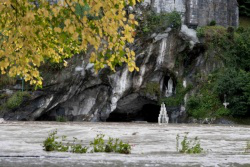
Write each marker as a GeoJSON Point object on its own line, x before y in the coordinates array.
{"type": "Point", "coordinates": [153, 145]}
{"type": "Point", "coordinates": [164, 59]}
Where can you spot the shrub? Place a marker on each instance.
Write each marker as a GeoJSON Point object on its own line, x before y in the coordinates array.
{"type": "Point", "coordinates": [77, 147]}
{"type": "Point", "coordinates": [188, 146]}
{"type": "Point", "coordinates": [178, 98]}
{"type": "Point", "coordinates": [206, 103]}
{"type": "Point", "coordinates": [241, 54]}
{"type": "Point", "coordinates": [113, 145]}
{"type": "Point", "coordinates": [244, 7]}
{"type": "Point", "coordinates": [6, 80]}
{"type": "Point", "coordinates": [236, 85]}
{"type": "Point", "coordinates": [61, 119]}
{"type": "Point", "coordinates": [16, 99]}
{"type": "Point", "coordinates": [212, 34]}
{"type": "Point", "coordinates": [98, 143]}
{"type": "Point", "coordinates": [154, 22]}
{"type": "Point", "coordinates": [117, 145]}
{"type": "Point", "coordinates": [247, 149]}
{"type": "Point", "coordinates": [50, 143]}
{"type": "Point", "coordinates": [152, 88]}
{"type": "Point", "coordinates": [212, 23]}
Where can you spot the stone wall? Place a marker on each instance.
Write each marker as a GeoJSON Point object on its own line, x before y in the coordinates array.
{"type": "Point", "coordinates": [200, 12]}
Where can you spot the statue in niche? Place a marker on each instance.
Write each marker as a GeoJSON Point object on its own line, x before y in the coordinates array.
{"type": "Point", "coordinates": [169, 88]}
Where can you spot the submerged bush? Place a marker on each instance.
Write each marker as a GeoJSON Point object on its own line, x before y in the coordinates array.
{"type": "Point", "coordinates": [188, 146]}
{"type": "Point", "coordinates": [61, 119]}
{"type": "Point", "coordinates": [52, 143]}
{"type": "Point", "coordinates": [112, 145]}
{"type": "Point", "coordinates": [247, 149]}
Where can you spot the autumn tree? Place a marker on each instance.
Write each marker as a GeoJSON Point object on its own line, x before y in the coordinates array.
{"type": "Point", "coordinates": [35, 31]}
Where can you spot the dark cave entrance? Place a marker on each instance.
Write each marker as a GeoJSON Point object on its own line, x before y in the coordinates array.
{"type": "Point", "coordinates": [149, 113]}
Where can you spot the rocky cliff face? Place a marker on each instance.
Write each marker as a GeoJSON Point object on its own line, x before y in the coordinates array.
{"type": "Point", "coordinates": [79, 94]}
{"type": "Point", "coordinates": [200, 12]}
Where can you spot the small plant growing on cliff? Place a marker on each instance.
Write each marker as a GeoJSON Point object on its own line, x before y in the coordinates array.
{"type": "Point", "coordinates": [152, 88]}
{"type": "Point", "coordinates": [212, 23]}
{"type": "Point", "coordinates": [154, 22]}
{"type": "Point", "coordinates": [16, 99]}
{"type": "Point", "coordinates": [188, 146]}
{"type": "Point", "coordinates": [61, 119]}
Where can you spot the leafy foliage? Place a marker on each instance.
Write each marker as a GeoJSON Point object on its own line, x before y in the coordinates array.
{"type": "Point", "coordinates": [236, 86]}
{"type": "Point", "coordinates": [244, 7]}
{"type": "Point", "coordinates": [6, 80]}
{"type": "Point", "coordinates": [189, 146]}
{"type": "Point", "coordinates": [152, 88]}
{"type": "Point", "coordinates": [61, 119]}
{"type": "Point", "coordinates": [51, 143]}
{"type": "Point", "coordinates": [76, 147]}
{"type": "Point", "coordinates": [242, 50]}
{"type": "Point", "coordinates": [113, 145]}
{"type": "Point", "coordinates": [206, 102]}
{"type": "Point", "coordinates": [212, 23]}
{"type": "Point", "coordinates": [32, 33]}
{"type": "Point", "coordinates": [16, 99]}
{"type": "Point", "coordinates": [178, 98]}
{"type": "Point", "coordinates": [232, 48]}
{"type": "Point", "coordinates": [247, 149]}
{"type": "Point", "coordinates": [98, 143]}
{"type": "Point", "coordinates": [154, 22]}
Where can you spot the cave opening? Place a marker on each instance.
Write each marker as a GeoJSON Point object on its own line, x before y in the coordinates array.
{"type": "Point", "coordinates": [149, 113]}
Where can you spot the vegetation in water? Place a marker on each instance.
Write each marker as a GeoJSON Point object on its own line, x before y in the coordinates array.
{"type": "Point", "coordinates": [52, 143]}
{"type": "Point", "coordinates": [61, 119]}
{"type": "Point", "coordinates": [112, 145]}
{"type": "Point", "coordinates": [188, 146]}
{"type": "Point", "coordinates": [77, 147]}
{"type": "Point", "coordinates": [247, 149]}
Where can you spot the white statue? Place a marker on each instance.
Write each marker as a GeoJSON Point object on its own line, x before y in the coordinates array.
{"type": "Point", "coordinates": [225, 102]}
{"type": "Point", "coordinates": [163, 116]}
{"type": "Point", "coordinates": [169, 88]}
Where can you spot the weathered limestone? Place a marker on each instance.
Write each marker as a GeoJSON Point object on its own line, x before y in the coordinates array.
{"type": "Point", "coordinates": [1, 120]}
{"type": "Point", "coordinates": [200, 12]}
